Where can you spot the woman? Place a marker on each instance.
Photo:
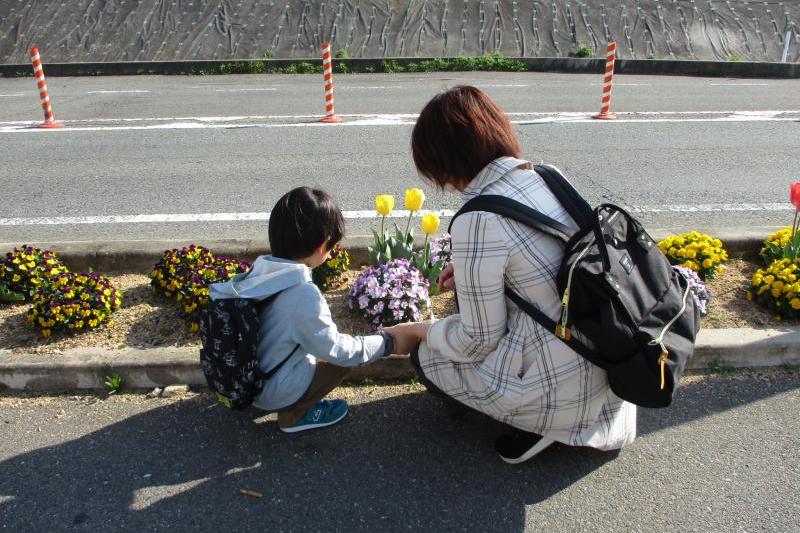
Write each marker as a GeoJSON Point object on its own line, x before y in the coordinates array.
{"type": "Point", "coordinates": [492, 356]}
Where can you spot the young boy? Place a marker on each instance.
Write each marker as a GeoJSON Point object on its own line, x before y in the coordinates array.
{"type": "Point", "coordinates": [304, 226]}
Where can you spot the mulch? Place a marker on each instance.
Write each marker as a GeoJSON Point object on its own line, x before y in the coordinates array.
{"type": "Point", "coordinates": [147, 321]}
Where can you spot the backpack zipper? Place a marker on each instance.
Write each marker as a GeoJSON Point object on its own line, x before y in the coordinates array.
{"type": "Point", "coordinates": [659, 341]}
{"type": "Point", "coordinates": [562, 330]}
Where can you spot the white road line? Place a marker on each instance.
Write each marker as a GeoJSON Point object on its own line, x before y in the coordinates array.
{"type": "Point", "coordinates": [349, 215]}
{"type": "Point", "coordinates": [400, 119]}
{"type": "Point", "coordinates": [11, 95]}
{"type": "Point", "coordinates": [244, 90]}
{"type": "Point", "coordinates": [132, 91]}
{"type": "Point", "coordinates": [738, 84]}
{"type": "Point", "coordinates": [369, 86]}
{"type": "Point", "coordinates": [234, 118]}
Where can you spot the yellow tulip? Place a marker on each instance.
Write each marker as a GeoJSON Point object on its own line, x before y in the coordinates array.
{"type": "Point", "coordinates": [430, 223]}
{"type": "Point", "coordinates": [384, 203]}
{"type": "Point", "coordinates": [414, 199]}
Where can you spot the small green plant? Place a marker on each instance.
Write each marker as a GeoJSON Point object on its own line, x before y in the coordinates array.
{"type": "Point", "coordinates": [391, 67]}
{"type": "Point", "coordinates": [342, 68]}
{"type": "Point", "coordinates": [269, 54]}
{"type": "Point", "coordinates": [734, 59]}
{"type": "Point", "coordinates": [414, 381]}
{"type": "Point", "coordinates": [243, 67]}
{"type": "Point", "coordinates": [113, 383]}
{"type": "Point", "coordinates": [369, 70]}
{"type": "Point", "coordinates": [721, 367]}
{"type": "Point", "coordinates": [367, 382]}
{"type": "Point", "coordinates": [581, 51]}
{"type": "Point", "coordinates": [341, 54]}
{"type": "Point", "coordinates": [651, 56]}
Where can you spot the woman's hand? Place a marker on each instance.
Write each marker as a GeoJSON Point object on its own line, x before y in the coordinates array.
{"type": "Point", "coordinates": [407, 336]}
{"type": "Point", "coordinates": [446, 279]}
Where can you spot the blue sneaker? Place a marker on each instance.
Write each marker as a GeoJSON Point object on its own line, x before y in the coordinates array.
{"type": "Point", "coordinates": [325, 413]}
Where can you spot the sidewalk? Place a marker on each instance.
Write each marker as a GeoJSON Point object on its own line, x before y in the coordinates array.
{"type": "Point", "coordinates": [398, 463]}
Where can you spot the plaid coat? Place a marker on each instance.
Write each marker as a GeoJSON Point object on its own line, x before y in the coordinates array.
{"type": "Point", "coordinates": [492, 356]}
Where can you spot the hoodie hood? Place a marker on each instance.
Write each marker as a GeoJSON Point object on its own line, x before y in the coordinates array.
{"type": "Point", "coordinates": [267, 276]}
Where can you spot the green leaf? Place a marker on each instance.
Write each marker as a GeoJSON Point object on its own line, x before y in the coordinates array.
{"type": "Point", "coordinates": [7, 295]}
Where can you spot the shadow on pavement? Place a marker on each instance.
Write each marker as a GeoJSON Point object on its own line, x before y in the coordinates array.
{"type": "Point", "coordinates": [395, 464]}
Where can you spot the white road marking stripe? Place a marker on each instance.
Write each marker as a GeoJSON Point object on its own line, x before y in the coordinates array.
{"type": "Point", "coordinates": [119, 92]}
{"type": "Point", "coordinates": [350, 215]}
{"type": "Point", "coordinates": [560, 114]}
{"type": "Point", "coordinates": [405, 119]}
{"type": "Point", "coordinates": [244, 90]}
{"type": "Point", "coordinates": [378, 121]}
{"type": "Point", "coordinates": [503, 85]}
{"type": "Point", "coordinates": [10, 95]}
{"type": "Point", "coordinates": [738, 84]}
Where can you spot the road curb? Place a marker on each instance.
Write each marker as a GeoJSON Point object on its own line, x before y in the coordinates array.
{"type": "Point", "coordinates": [669, 67]}
{"type": "Point", "coordinates": [85, 368]}
{"type": "Point", "coordinates": [139, 256]}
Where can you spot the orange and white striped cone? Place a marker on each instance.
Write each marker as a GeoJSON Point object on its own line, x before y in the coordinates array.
{"type": "Point", "coordinates": [605, 103]}
{"type": "Point", "coordinates": [38, 72]}
{"type": "Point", "coordinates": [327, 73]}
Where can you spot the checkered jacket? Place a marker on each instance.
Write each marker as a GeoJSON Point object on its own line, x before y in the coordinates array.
{"type": "Point", "coordinates": [494, 357]}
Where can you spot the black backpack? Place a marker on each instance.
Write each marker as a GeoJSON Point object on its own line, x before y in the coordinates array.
{"type": "Point", "coordinates": [624, 308]}
{"type": "Point", "coordinates": [229, 356]}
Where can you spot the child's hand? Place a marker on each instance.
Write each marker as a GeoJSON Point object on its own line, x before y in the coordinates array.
{"type": "Point", "coordinates": [446, 279]}
{"type": "Point", "coordinates": [407, 336]}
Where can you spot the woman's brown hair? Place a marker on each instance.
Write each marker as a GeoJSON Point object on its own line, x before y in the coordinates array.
{"type": "Point", "coordinates": [457, 134]}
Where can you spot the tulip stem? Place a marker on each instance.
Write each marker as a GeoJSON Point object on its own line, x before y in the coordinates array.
{"type": "Point", "coordinates": [383, 235]}
{"type": "Point", "coordinates": [794, 224]}
{"type": "Point", "coordinates": [408, 226]}
{"type": "Point", "coordinates": [426, 251]}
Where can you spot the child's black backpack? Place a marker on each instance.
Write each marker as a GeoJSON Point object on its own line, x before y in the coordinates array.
{"type": "Point", "coordinates": [229, 356]}
{"type": "Point", "coordinates": [631, 313]}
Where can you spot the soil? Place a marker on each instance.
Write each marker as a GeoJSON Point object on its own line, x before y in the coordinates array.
{"type": "Point", "coordinates": [729, 306]}
{"type": "Point", "coordinates": [147, 321]}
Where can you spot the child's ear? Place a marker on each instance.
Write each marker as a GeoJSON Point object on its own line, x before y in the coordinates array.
{"type": "Point", "coordinates": [323, 248]}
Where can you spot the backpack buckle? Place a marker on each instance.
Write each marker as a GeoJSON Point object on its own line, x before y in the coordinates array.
{"type": "Point", "coordinates": [563, 332]}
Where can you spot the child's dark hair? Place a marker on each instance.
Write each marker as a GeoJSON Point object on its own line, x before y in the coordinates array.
{"type": "Point", "coordinates": [301, 221]}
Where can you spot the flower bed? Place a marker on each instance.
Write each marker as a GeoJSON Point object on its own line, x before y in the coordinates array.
{"type": "Point", "coordinates": [146, 321]}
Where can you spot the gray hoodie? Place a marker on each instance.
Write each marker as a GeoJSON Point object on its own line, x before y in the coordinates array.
{"type": "Point", "coordinates": [299, 315]}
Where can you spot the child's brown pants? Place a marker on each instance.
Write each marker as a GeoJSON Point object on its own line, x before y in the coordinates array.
{"type": "Point", "coordinates": [326, 378]}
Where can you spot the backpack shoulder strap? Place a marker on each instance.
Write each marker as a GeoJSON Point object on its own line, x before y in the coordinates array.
{"type": "Point", "coordinates": [506, 207]}
{"type": "Point", "coordinates": [550, 324]}
{"type": "Point", "coordinates": [578, 208]}
{"type": "Point", "coordinates": [261, 307]}
{"type": "Point", "coordinates": [264, 376]}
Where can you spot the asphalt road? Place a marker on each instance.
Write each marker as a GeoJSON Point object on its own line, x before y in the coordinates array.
{"type": "Point", "coordinates": [686, 153]}
{"type": "Point", "coordinates": [722, 458]}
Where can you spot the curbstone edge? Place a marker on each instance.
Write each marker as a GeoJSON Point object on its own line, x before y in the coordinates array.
{"type": "Point", "coordinates": [140, 256]}
{"type": "Point", "coordinates": [85, 368]}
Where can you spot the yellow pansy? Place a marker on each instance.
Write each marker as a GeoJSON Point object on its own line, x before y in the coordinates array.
{"type": "Point", "coordinates": [430, 223]}
{"type": "Point", "coordinates": [414, 199]}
